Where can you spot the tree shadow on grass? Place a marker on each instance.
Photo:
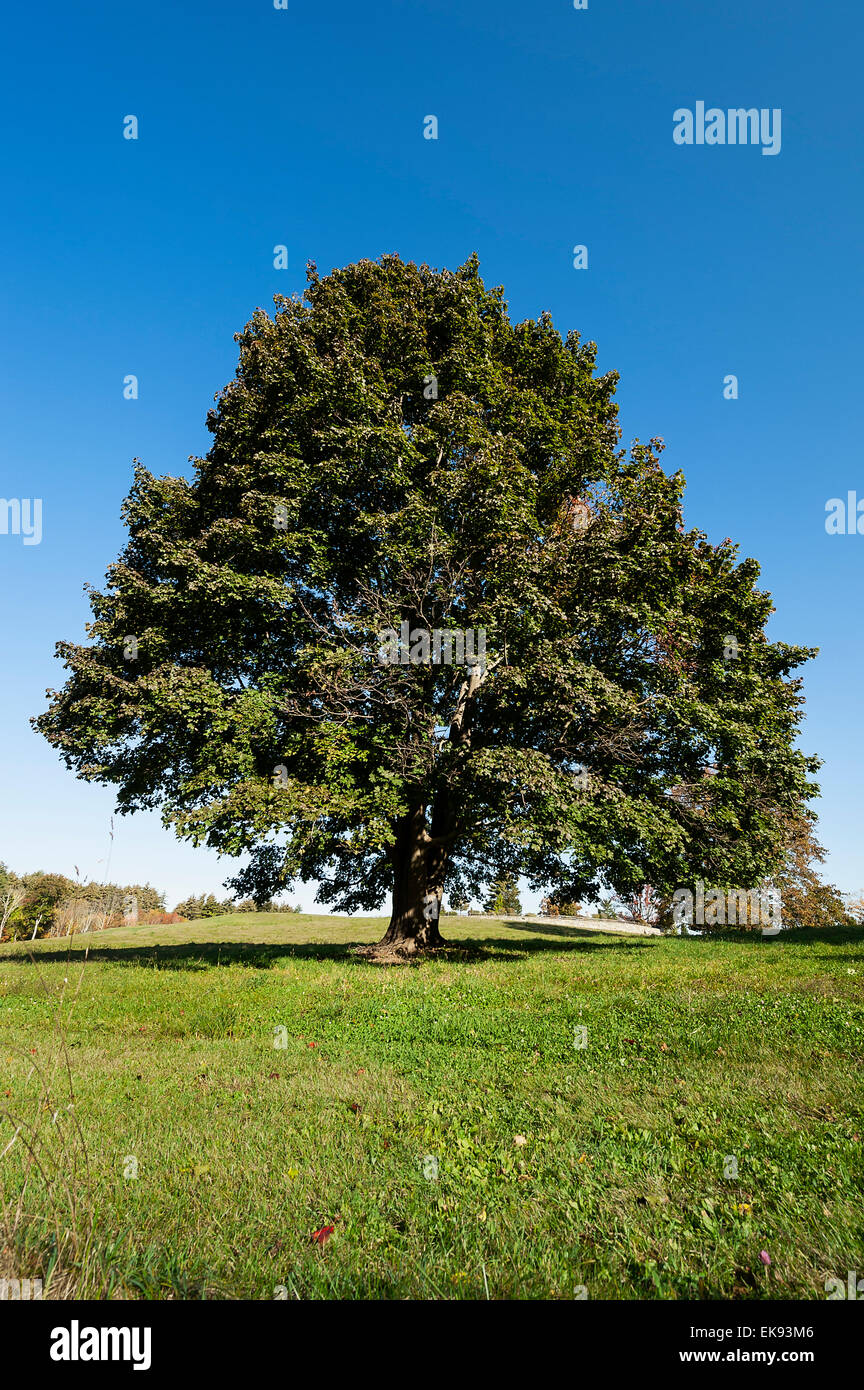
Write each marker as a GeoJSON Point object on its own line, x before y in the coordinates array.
{"type": "Point", "coordinates": [494, 948]}
{"type": "Point", "coordinates": [810, 936]}
{"type": "Point", "coordinates": [204, 955]}
{"type": "Point", "coordinates": [195, 955]}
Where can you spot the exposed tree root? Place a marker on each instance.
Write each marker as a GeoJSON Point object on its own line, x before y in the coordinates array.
{"type": "Point", "coordinates": [406, 952]}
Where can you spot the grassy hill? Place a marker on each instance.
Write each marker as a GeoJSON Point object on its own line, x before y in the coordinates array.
{"type": "Point", "coordinates": [240, 1084]}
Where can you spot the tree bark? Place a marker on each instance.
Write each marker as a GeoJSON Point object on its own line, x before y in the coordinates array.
{"type": "Point", "coordinates": [416, 893]}
{"type": "Point", "coordinates": [420, 856]}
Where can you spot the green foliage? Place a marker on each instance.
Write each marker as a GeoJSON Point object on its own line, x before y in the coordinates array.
{"type": "Point", "coordinates": [340, 498]}
{"type": "Point", "coordinates": [193, 909]}
{"type": "Point", "coordinates": [44, 895]}
{"type": "Point", "coordinates": [52, 904]}
{"type": "Point", "coordinates": [12, 894]}
{"type": "Point", "coordinates": [606, 909]}
{"type": "Point", "coordinates": [148, 898]}
{"type": "Point", "coordinates": [503, 897]}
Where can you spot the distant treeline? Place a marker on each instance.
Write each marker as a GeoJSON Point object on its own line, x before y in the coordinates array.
{"type": "Point", "coordinates": [193, 908]}
{"type": "Point", "coordinates": [40, 904]}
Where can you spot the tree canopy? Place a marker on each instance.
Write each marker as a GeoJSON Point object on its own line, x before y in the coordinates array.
{"type": "Point", "coordinates": [393, 450]}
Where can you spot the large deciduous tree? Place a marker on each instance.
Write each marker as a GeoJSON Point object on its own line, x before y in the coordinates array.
{"type": "Point", "coordinates": [394, 451]}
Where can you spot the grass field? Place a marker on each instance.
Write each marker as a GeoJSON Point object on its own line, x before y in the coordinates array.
{"type": "Point", "coordinates": [265, 1085]}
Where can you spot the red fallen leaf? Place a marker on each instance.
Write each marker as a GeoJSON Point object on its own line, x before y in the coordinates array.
{"type": "Point", "coordinates": [311, 1044]}
{"type": "Point", "coordinates": [274, 1075]}
{"type": "Point", "coordinates": [355, 1107]}
{"type": "Point", "coordinates": [324, 1234]}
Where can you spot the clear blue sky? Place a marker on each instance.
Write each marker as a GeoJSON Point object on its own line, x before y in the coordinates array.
{"type": "Point", "coordinates": [304, 127]}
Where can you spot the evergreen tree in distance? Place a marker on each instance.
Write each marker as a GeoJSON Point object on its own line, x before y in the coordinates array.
{"type": "Point", "coordinates": [503, 897]}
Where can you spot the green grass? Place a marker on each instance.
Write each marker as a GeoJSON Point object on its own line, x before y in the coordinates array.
{"type": "Point", "coordinates": [696, 1050]}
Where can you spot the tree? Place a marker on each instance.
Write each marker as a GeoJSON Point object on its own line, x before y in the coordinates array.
{"type": "Point", "coordinates": [147, 898]}
{"type": "Point", "coordinates": [647, 907]}
{"type": "Point", "coordinates": [807, 900]}
{"type": "Point", "coordinates": [191, 908]}
{"type": "Point", "coordinates": [60, 906]}
{"type": "Point", "coordinates": [607, 910]}
{"type": "Point", "coordinates": [394, 456]}
{"type": "Point", "coordinates": [41, 910]}
{"type": "Point", "coordinates": [12, 894]}
{"type": "Point", "coordinates": [75, 913]}
{"type": "Point", "coordinates": [503, 897]}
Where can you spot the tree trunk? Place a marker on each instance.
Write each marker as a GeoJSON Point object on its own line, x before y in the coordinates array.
{"type": "Point", "coordinates": [420, 857]}
{"type": "Point", "coordinates": [418, 885]}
